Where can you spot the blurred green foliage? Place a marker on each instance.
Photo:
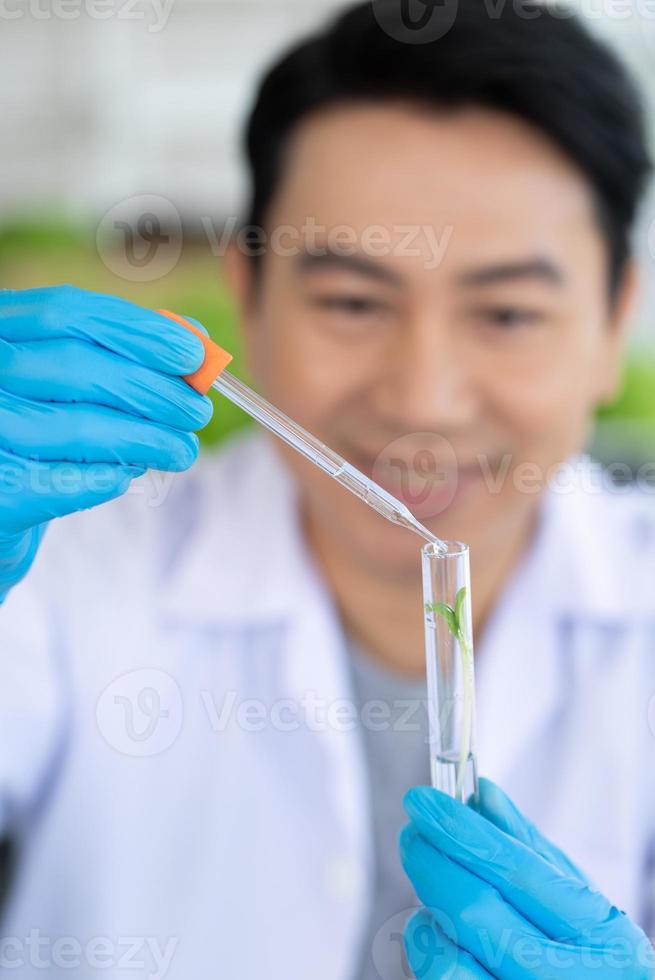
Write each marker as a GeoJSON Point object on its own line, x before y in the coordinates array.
{"type": "Point", "coordinates": [47, 249]}
{"type": "Point", "coordinates": [637, 399]}
{"type": "Point", "coordinates": [43, 232]}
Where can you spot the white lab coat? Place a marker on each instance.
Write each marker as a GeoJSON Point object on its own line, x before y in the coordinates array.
{"type": "Point", "coordinates": [175, 767]}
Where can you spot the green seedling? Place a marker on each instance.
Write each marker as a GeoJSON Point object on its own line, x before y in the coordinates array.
{"type": "Point", "coordinates": [454, 617]}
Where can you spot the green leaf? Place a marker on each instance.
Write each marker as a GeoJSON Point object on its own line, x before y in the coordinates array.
{"type": "Point", "coordinates": [446, 612]}
{"type": "Point", "coordinates": [459, 607]}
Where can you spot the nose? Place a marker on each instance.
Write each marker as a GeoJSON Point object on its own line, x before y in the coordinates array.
{"type": "Point", "coordinates": [429, 385]}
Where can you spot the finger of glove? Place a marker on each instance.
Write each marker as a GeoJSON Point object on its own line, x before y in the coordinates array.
{"type": "Point", "coordinates": [471, 912]}
{"type": "Point", "coordinates": [75, 371]}
{"type": "Point", "coordinates": [33, 493]}
{"type": "Point", "coordinates": [196, 323]}
{"type": "Point", "coordinates": [431, 954]}
{"type": "Point", "coordinates": [557, 904]}
{"type": "Point", "coordinates": [475, 917]}
{"type": "Point", "coordinates": [497, 807]}
{"type": "Point", "coordinates": [132, 331]}
{"type": "Point", "coordinates": [16, 556]}
{"type": "Point", "coordinates": [82, 433]}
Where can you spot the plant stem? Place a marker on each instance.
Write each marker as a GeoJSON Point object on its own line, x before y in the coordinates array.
{"type": "Point", "coordinates": [467, 714]}
{"type": "Point", "coordinates": [454, 618]}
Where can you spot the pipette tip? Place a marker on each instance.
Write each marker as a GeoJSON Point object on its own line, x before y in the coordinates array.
{"type": "Point", "coordinates": [439, 546]}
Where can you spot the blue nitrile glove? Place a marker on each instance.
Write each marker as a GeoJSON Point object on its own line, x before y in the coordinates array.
{"type": "Point", "coordinates": [502, 901]}
{"type": "Point", "coordinates": [91, 395]}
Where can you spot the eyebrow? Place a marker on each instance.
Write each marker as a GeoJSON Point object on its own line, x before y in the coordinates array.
{"type": "Point", "coordinates": [538, 268]}
{"type": "Point", "coordinates": [360, 264]}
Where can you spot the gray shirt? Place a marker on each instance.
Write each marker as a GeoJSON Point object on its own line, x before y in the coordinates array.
{"type": "Point", "coordinates": [394, 729]}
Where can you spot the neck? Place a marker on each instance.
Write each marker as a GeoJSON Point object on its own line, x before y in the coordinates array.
{"type": "Point", "coordinates": [385, 615]}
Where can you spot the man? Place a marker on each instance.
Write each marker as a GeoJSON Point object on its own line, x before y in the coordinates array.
{"type": "Point", "coordinates": [213, 702]}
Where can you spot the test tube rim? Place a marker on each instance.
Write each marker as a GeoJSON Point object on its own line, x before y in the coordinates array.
{"type": "Point", "coordinates": [431, 550]}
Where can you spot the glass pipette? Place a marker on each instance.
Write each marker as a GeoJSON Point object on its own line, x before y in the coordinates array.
{"type": "Point", "coordinates": [212, 374]}
{"type": "Point", "coordinates": [330, 462]}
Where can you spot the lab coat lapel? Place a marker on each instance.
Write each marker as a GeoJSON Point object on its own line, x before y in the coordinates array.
{"type": "Point", "coordinates": [518, 682]}
{"type": "Point", "coordinates": [248, 563]}
{"type": "Point", "coordinates": [317, 672]}
{"type": "Point", "coordinates": [571, 574]}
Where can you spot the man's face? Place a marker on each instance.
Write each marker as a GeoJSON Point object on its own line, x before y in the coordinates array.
{"type": "Point", "coordinates": [435, 309]}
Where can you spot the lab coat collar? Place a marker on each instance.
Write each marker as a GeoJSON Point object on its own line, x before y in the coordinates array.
{"type": "Point", "coordinates": [246, 556]}
{"type": "Point", "coordinates": [246, 561]}
{"type": "Point", "coordinates": [591, 534]}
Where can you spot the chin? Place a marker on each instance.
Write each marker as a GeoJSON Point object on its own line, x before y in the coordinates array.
{"type": "Point", "coordinates": [385, 549]}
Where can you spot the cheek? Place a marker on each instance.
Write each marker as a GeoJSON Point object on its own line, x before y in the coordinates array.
{"type": "Point", "coordinates": [301, 369]}
{"type": "Point", "coordinates": [533, 402]}
{"type": "Point", "coordinates": [545, 404]}
{"type": "Point", "coordinates": [300, 377]}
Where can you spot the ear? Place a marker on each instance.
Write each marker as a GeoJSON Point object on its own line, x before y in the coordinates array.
{"type": "Point", "coordinates": [238, 272]}
{"type": "Point", "coordinates": [618, 330]}
{"type": "Point", "coordinates": [240, 278]}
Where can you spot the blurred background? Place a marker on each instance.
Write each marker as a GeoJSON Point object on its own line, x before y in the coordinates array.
{"type": "Point", "coordinates": [121, 170]}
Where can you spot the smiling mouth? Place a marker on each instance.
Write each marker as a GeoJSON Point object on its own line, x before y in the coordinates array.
{"type": "Point", "coordinates": [444, 473]}
{"type": "Point", "coordinates": [419, 486]}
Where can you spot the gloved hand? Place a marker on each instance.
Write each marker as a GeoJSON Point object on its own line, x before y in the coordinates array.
{"type": "Point", "coordinates": [91, 395]}
{"type": "Point", "coordinates": [504, 902]}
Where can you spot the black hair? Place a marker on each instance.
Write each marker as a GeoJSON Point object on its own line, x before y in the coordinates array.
{"type": "Point", "coordinates": [536, 62]}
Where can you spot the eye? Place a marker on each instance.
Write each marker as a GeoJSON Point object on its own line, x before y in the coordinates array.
{"type": "Point", "coordinates": [509, 316]}
{"type": "Point", "coordinates": [350, 304]}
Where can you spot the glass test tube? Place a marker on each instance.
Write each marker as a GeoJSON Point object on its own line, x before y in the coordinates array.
{"type": "Point", "coordinates": [450, 673]}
